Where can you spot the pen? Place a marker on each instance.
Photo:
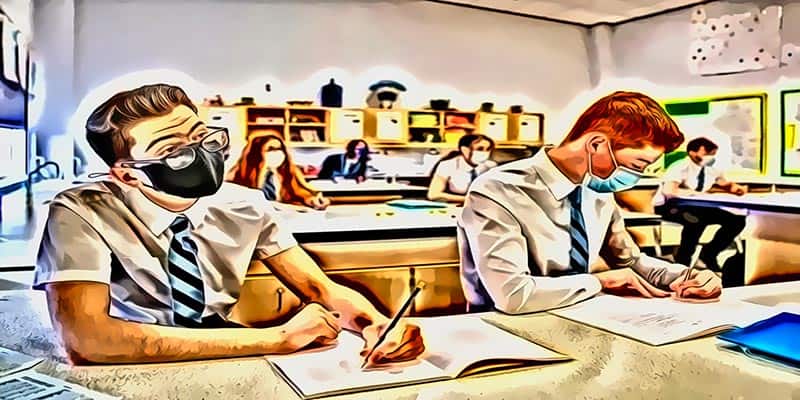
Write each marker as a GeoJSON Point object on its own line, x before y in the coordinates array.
{"type": "Point", "coordinates": [394, 321]}
{"type": "Point", "coordinates": [692, 263]}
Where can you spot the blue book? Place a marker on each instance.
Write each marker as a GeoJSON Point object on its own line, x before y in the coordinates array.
{"type": "Point", "coordinates": [412, 204]}
{"type": "Point", "coordinates": [774, 340]}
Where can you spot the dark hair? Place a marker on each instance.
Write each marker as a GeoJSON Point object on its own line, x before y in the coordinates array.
{"type": "Point", "coordinates": [465, 141]}
{"type": "Point", "coordinates": [696, 143]}
{"type": "Point", "coordinates": [351, 147]}
{"type": "Point", "coordinates": [629, 119]}
{"type": "Point", "coordinates": [108, 125]}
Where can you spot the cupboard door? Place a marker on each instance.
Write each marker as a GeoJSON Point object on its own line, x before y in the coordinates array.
{"type": "Point", "coordinates": [386, 288]}
{"type": "Point", "coordinates": [264, 300]}
{"type": "Point", "coordinates": [494, 125]}
{"type": "Point", "coordinates": [530, 128]}
{"type": "Point", "coordinates": [442, 294]}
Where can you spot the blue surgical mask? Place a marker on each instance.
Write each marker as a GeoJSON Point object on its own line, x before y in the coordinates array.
{"type": "Point", "coordinates": [621, 178]}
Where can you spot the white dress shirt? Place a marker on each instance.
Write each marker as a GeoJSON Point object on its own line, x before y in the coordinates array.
{"type": "Point", "coordinates": [514, 240]}
{"type": "Point", "coordinates": [685, 173]}
{"type": "Point", "coordinates": [458, 173]}
{"type": "Point", "coordinates": [110, 233]}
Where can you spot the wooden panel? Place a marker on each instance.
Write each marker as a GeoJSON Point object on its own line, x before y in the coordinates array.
{"type": "Point", "coordinates": [442, 294]}
{"type": "Point", "coordinates": [264, 300]}
{"type": "Point", "coordinates": [384, 253]}
{"type": "Point", "coordinates": [386, 288]}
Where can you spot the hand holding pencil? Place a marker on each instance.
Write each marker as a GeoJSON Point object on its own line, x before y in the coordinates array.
{"type": "Point", "coordinates": [393, 340]}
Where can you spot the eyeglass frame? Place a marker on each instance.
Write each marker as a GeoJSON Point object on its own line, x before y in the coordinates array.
{"type": "Point", "coordinates": [138, 164]}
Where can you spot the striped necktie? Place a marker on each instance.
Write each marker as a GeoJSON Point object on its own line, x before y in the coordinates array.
{"type": "Point", "coordinates": [188, 300]}
{"type": "Point", "coordinates": [701, 180]}
{"type": "Point", "coordinates": [579, 251]}
{"type": "Point", "coordinates": [270, 192]}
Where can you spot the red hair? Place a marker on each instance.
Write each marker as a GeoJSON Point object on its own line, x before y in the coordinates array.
{"type": "Point", "coordinates": [629, 119]}
{"type": "Point", "coordinates": [249, 171]}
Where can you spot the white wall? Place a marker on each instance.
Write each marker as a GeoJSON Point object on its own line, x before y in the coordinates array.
{"type": "Point", "coordinates": [226, 44]}
{"type": "Point", "coordinates": [655, 51]}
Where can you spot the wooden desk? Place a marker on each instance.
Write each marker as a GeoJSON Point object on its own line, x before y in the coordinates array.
{"type": "Point", "coordinates": [340, 188]}
{"type": "Point", "coordinates": [606, 366]}
{"type": "Point", "coordinates": [773, 246]}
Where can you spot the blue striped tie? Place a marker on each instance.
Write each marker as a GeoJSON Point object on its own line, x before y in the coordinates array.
{"type": "Point", "coordinates": [579, 252]}
{"type": "Point", "coordinates": [188, 301]}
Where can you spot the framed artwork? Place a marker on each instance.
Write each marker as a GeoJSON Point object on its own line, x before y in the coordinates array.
{"type": "Point", "coordinates": [737, 124]}
{"type": "Point", "coordinates": [790, 132]}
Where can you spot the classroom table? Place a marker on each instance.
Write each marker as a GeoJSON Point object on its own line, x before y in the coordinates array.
{"type": "Point", "coordinates": [605, 366]}
{"type": "Point", "coordinates": [382, 221]}
{"type": "Point", "coordinates": [773, 246]}
{"type": "Point", "coordinates": [342, 188]}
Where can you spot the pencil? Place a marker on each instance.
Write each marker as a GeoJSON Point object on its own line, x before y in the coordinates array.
{"type": "Point", "coordinates": [394, 321]}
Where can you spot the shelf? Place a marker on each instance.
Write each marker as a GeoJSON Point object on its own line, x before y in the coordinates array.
{"type": "Point", "coordinates": [266, 125]}
{"type": "Point", "coordinates": [309, 124]}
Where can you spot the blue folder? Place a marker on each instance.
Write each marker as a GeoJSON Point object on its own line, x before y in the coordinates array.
{"type": "Point", "coordinates": [776, 339]}
{"type": "Point", "coordinates": [414, 204]}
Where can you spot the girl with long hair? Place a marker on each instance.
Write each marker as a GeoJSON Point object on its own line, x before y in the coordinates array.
{"type": "Point", "coordinates": [267, 164]}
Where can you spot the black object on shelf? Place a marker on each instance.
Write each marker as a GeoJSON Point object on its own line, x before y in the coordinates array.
{"type": "Point", "coordinates": [331, 94]}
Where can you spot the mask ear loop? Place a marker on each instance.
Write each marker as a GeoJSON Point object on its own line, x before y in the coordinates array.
{"type": "Point", "coordinates": [95, 175]}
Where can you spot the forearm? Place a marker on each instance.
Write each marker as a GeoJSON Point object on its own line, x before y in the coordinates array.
{"type": "Point", "coordinates": [130, 342]}
{"type": "Point", "coordinates": [526, 294]}
{"type": "Point", "coordinates": [357, 312]}
{"type": "Point", "coordinates": [657, 272]}
{"type": "Point", "coordinates": [448, 197]}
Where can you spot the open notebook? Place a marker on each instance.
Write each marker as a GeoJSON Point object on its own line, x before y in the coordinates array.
{"type": "Point", "coordinates": [456, 346]}
{"type": "Point", "coordinates": [12, 361]}
{"type": "Point", "coordinates": [663, 320]}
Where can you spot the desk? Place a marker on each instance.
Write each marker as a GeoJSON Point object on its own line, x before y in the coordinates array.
{"type": "Point", "coordinates": [773, 245]}
{"type": "Point", "coordinates": [341, 188]}
{"type": "Point", "coordinates": [606, 366]}
{"type": "Point", "coordinates": [381, 221]}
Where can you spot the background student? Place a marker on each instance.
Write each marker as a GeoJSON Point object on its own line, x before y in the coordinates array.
{"type": "Point", "coordinates": [453, 174]}
{"type": "Point", "coordinates": [531, 229]}
{"type": "Point", "coordinates": [352, 164]}
{"type": "Point", "coordinates": [697, 173]}
{"type": "Point", "coordinates": [267, 164]}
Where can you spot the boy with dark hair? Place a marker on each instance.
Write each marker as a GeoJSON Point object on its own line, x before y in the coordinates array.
{"type": "Point", "coordinates": [139, 266]}
{"type": "Point", "coordinates": [697, 174]}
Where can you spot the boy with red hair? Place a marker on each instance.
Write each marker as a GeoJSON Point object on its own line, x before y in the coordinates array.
{"type": "Point", "coordinates": [531, 229]}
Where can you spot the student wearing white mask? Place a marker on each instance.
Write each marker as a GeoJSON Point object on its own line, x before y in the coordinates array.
{"type": "Point", "coordinates": [267, 165]}
{"type": "Point", "coordinates": [531, 230]}
{"type": "Point", "coordinates": [453, 174]}
{"type": "Point", "coordinates": [698, 173]}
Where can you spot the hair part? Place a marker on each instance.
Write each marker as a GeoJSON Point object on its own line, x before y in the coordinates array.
{"type": "Point", "coordinates": [697, 143]}
{"type": "Point", "coordinates": [628, 119]}
{"type": "Point", "coordinates": [108, 126]}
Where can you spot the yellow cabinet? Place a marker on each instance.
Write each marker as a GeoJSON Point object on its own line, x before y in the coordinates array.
{"type": "Point", "coordinates": [264, 300]}
{"type": "Point", "coordinates": [525, 128]}
{"type": "Point", "coordinates": [346, 125]}
{"type": "Point", "coordinates": [493, 125]}
{"type": "Point", "coordinates": [442, 294]}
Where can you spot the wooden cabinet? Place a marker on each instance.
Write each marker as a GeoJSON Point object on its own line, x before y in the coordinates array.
{"type": "Point", "coordinates": [386, 288]}
{"type": "Point", "coordinates": [493, 125]}
{"type": "Point", "coordinates": [442, 294]}
{"type": "Point", "coordinates": [346, 125]}
{"type": "Point", "coordinates": [386, 125]}
{"type": "Point", "coordinates": [526, 128]}
{"type": "Point", "coordinates": [264, 300]}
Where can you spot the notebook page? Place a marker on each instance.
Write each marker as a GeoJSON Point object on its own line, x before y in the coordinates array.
{"type": "Point", "coordinates": [662, 320]}
{"type": "Point", "coordinates": [338, 370]}
{"type": "Point", "coordinates": [456, 342]}
{"type": "Point", "coordinates": [12, 361]}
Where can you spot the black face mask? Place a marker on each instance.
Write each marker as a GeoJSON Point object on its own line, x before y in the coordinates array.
{"type": "Point", "coordinates": [203, 177]}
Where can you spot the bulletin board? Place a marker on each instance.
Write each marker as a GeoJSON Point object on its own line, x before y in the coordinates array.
{"type": "Point", "coordinates": [737, 124]}
{"type": "Point", "coordinates": [790, 132]}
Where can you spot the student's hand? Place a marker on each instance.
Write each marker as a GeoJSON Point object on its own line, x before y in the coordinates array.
{"type": "Point", "coordinates": [360, 179]}
{"type": "Point", "coordinates": [312, 325]}
{"type": "Point", "coordinates": [404, 343]}
{"type": "Point", "coordinates": [320, 203]}
{"type": "Point", "coordinates": [626, 282]}
{"type": "Point", "coordinates": [738, 189]}
{"type": "Point", "coordinates": [704, 284]}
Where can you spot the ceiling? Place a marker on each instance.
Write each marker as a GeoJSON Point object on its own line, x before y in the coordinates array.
{"type": "Point", "coordinates": [586, 12]}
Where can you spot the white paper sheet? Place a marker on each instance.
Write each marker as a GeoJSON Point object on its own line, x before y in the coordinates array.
{"type": "Point", "coordinates": [663, 320]}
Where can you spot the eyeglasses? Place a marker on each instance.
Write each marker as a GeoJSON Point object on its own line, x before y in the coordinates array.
{"type": "Point", "coordinates": [215, 140]}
